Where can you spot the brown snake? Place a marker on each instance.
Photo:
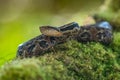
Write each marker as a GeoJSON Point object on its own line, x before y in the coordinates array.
{"type": "Point", "coordinates": [51, 36]}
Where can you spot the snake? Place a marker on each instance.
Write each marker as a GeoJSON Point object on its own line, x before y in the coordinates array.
{"type": "Point", "coordinates": [52, 36]}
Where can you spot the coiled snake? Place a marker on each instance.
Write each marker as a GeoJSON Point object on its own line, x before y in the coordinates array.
{"type": "Point", "coordinates": [51, 36]}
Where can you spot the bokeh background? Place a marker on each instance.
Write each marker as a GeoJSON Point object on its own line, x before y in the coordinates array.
{"type": "Point", "coordinates": [20, 19]}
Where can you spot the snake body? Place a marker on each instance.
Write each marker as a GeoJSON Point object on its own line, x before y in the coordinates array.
{"type": "Point", "coordinates": [99, 32]}
{"type": "Point", "coordinates": [51, 36]}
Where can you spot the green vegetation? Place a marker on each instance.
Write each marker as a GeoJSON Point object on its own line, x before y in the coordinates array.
{"type": "Point", "coordinates": [110, 12]}
{"type": "Point", "coordinates": [76, 61]}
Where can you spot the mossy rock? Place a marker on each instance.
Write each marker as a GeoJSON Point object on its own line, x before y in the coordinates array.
{"type": "Point", "coordinates": [69, 61]}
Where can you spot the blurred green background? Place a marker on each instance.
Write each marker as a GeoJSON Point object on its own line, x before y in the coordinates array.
{"type": "Point", "coordinates": [20, 19]}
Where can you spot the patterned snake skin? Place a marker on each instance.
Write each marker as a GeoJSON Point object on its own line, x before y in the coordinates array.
{"type": "Point", "coordinates": [51, 36]}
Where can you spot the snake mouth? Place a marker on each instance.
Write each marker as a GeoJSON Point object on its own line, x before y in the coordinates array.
{"type": "Point", "coordinates": [50, 31]}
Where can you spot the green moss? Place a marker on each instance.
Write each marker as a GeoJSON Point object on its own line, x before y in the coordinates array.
{"type": "Point", "coordinates": [76, 61]}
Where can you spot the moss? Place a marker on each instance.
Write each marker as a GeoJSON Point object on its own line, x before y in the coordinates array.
{"type": "Point", "coordinates": [76, 61]}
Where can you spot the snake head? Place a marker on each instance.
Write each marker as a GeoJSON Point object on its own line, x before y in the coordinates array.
{"type": "Point", "coordinates": [50, 31]}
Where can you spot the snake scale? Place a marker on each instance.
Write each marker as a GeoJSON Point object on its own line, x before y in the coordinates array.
{"type": "Point", "coordinates": [51, 36]}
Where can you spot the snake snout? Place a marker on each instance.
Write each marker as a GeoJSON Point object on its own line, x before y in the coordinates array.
{"type": "Point", "coordinates": [20, 50]}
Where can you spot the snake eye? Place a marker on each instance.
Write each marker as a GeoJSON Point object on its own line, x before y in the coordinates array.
{"type": "Point", "coordinates": [84, 37]}
{"type": "Point", "coordinates": [44, 44]}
